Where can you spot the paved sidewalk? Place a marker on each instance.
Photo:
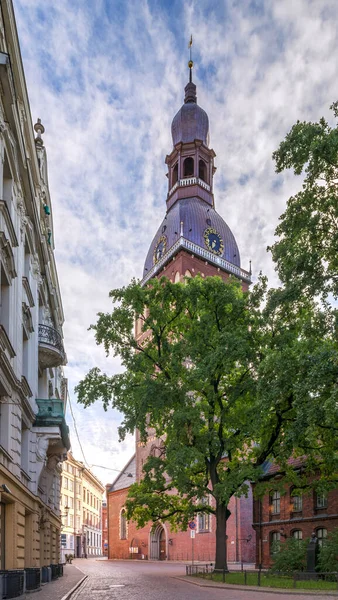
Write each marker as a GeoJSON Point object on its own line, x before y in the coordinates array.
{"type": "Point", "coordinates": [58, 589]}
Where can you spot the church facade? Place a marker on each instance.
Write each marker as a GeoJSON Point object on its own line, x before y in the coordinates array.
{"type": "Point", "coordinates": [192, 239]}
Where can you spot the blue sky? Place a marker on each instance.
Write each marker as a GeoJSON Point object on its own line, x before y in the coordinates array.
{"type": "Point", "coordinates": [106, 77]}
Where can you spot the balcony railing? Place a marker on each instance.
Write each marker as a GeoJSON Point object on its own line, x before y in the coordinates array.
{"type": "Point", "coordinates": [51, 350]}
{"type": "Point", "coordinates": [225, 265]}
{"type": "Point", "coordinates": [189, 181]}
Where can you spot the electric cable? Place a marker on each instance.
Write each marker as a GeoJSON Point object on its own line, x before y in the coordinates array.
{"type": "Point", "coordinates": [75, 428]}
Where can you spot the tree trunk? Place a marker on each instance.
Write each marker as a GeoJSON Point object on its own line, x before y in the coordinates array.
{"type": "Point", "coordinates": [222, 515]}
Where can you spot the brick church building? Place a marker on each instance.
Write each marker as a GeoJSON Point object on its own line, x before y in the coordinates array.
{"type": "Point", "coordinates": [192, 238]}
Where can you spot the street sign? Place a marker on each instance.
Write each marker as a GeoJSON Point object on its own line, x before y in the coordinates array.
{"type": "Point", "coordinates": [192, 534]}
{"type": "Point", "coordinates": [192, 525]}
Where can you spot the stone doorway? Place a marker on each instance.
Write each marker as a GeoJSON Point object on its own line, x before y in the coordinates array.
{"type": "Point", "coordinates": [158, 543]}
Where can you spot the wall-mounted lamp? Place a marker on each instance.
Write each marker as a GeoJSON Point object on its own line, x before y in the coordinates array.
{"type": "Point", "coordinates": [282, 532]}
{"type": "Point", "coordinates": [170, 541]}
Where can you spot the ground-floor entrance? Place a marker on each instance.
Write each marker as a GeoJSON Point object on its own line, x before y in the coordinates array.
{"type": "Point", "coordinates": [158, 543]}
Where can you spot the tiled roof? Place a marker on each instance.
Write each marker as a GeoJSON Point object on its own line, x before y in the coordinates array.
{"type": "Point", "coordinates": [272, 468]}
{"type": "Point", "coordinates": [123, 480]}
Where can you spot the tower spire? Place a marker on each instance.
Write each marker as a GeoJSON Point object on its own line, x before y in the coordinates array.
{"type": "Point", "coordinates": [191, 62]}
{"type": "Point", "coordinates": [190, 88]}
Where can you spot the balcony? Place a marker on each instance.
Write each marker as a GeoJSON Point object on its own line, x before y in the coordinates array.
{"type": "Point", "coordinates": [189, 181]}
{"type": "Point", "coordinates": [52, 414]}
{"type": "Point", "coordinates": [51, 351]}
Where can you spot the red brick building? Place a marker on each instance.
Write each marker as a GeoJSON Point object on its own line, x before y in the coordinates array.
{"type": "Point", "coordinates": [192, 238]}
{"type": "Point", "coordinates": [280, 515]}
{"type": "Point", "coordinates": [104, 529]}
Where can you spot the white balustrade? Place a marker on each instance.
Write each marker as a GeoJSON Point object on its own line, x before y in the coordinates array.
{"type": "Point", "coordinates": [199, 251]}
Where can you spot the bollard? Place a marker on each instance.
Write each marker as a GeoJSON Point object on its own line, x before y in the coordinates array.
{"type": "Point", "coordinates": [294, 580]}
{"type": "Point", "coordinates": [245, 583]}
{"type": "Point", "coordinates": [223, 577]}
{"type": "Point", "coordinates": [259, 578]}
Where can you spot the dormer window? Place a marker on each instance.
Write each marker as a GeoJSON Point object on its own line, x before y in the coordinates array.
{"type": "Point", "coordinates": [188, 167]}
{"type": "Point", "coordinates": [175, 174]}
{"type": "Point", "coordinates": [202, 170]}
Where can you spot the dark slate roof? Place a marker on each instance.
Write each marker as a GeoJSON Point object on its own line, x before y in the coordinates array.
{"type": "Point", "coordinates": [189, 124]}
{"type": "Point", "coordinates": [197, 216]}
{"type": "Point", "coordinates": [122, 480]}
{"type": "Point", "coordinates": [272, 468]}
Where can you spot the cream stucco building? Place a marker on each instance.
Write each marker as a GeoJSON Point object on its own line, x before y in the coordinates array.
{"type": "Point", "coordinates": [34, 436]}
{"type": "Point", "coordinates": [81, 509]}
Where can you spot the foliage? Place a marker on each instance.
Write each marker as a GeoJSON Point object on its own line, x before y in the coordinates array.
{"type": "Point", "coordinates": [290, 556]}
{"type": "Point", "coordinates": [306, 255]}
{"type": "Point", "coordinates": [216, 380]}
{"type": "Point", "coordinates": [328, 554]}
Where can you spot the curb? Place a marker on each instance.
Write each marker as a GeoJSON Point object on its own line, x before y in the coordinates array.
{"type": "Point", "coordinates": [265, 590]}
{"type": "Point", "coordinates": [76, 586]}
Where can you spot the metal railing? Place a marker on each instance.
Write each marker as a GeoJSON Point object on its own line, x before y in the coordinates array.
{"type": "Point", "coordinates": [265, 578]}
{"type": "Point", "coordinates": [49, 335]}
{"type": "Point", "coordinates": [33, 579]}
{"type": "Point", "coordinates": [12, 583]}
{"type": "Point", "coordinates": [189, 181]}
{"type": "Point", "coordinates": [198, 251]}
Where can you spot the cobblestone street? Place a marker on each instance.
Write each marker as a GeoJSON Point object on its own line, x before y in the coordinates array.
{"type": "Point", "coordinates": [124, 580]}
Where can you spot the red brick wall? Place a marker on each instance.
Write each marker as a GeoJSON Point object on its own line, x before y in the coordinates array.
{"type": "Point", "coordinates": [307, 520]}
{"type": "Point", "coordinates": [104, 531]}
{"type": "Point", "coordinates": [180, 547]}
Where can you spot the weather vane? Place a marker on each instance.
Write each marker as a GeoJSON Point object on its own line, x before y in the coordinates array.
{"type": "Point", "coordinates": [191, 62]}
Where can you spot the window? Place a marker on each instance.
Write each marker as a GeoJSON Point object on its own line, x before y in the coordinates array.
{"type": "Point", "coordinates": [175, 174]}
{"type": "Point", "coordinates": [202, 170]}
{"type": "Point", "coordinates": [4, 300]}
{"type": "Point", "coordinates": [71, 520]}
{"type": "Point", "coordinates": [321, 536]}
{"type": "Point", "coordinates": [274, 542]}
{"type": "Point", "coordinates": [65, 501]}
{"type": "Point", "coordinates": [78, 504]}
{"type": "Point", "coordinates": [297, 503]}
{"type": "Point", "coordinates": [65, 483]}
{"type": "Point", "coordinates": [24, 447]}
{"type": "Point", "coordinates": [78, 523]}
{"type": "Point", "coordinates": [123, 525]}
{"type": "Point", "coordinates": [71, 502]}
{"type": "Point", "coordinates": [203, 517]}
{"type": "Point", "coordinates": [188, 167]}
{"type": "Point", "coordinates": [63, 540]}
{"type": "Point", "coordinates": [71, 485]}
{"type": "Point", "coordinates": [297, 534]}
{"type": "Point", "coordinates": [84, 494]}
{"type": "Point", "coordinates": [275, 503]}
{"type": "Point", "coordinates": [78, 488]}
{"type": "Point", "coordinates": [321, 500]}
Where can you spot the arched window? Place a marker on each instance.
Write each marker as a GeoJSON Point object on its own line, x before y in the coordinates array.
{"type": "Point", "coordinates": [274, 542]}
{"type": "Point", "coordinates": [296, 503]}
{"type": "Point", "coordinates": [187, 273]}
{"type": "Point", "coordinates": [188, 167]}
{"type": "Point", "coordinates": [275, 503]}
{"type": "Point", "coordinates": [175, 174]}
{"type": "Point", "coordinates": [204, 517]}
{"type": "Point", "coordinates": [177, 277]}
{"type": "Point", "coordinates": [123, 524]}
{"type": "Point", "coordinates": [297, 534]}
{"type": "Point", "coordinates": [321, 534]}
{"type": "Point", "coordinates": [202, 170]}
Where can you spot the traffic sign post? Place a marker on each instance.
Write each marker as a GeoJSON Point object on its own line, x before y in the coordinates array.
{"type": "Point", "coordinates": [192, 527]}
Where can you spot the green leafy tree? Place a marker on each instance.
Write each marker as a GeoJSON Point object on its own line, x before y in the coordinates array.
{"type": "Point", "coordinates": [328, 554]}
{"type": "Point", "coordinates": [290, 556]}
{"type": "Point", "coordinates": [214, 378]}
{"type": "Point", "coordinates": [306, 255]}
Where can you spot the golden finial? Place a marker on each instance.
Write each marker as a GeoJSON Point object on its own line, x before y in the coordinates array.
{"type": "Point", "coordinates": [191, 62]}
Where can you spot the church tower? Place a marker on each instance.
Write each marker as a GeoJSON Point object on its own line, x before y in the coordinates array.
{"type": "Point", "coordinates": [192, 238]}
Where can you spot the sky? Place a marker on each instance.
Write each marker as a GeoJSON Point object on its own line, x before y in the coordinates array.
{"type": "Point", "coordinates": [106, 78]}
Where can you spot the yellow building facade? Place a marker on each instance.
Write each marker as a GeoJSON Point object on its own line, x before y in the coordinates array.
{"type": "Point", "coordinates": [81, 510]}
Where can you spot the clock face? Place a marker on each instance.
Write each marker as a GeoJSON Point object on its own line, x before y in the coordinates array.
{"type": "Point", "coordinates": [160, 249]}
{"type": "Point", "coordinates": [213, 241]}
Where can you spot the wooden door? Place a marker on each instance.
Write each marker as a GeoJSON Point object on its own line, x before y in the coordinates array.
{"type": "Point", "coordinates": [163, 555]}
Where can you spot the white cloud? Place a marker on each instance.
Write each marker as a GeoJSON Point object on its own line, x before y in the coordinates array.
{"type": "Point", "coordinates": [106, 79]}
